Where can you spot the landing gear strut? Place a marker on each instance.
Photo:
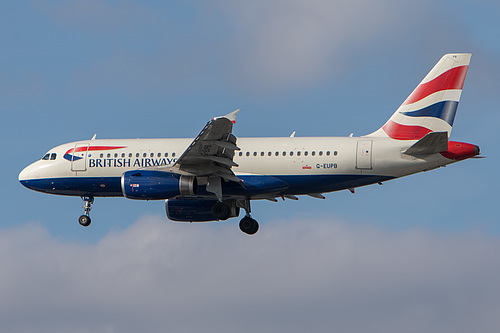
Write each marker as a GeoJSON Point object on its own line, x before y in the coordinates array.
{"type": "Point", "coordinates": [85, 220]}
{"type": "Point", "coordinates": [247, 224]}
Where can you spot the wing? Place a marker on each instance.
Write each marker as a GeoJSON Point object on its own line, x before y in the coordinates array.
{"type": "Point", "coordinates": [212, 151]}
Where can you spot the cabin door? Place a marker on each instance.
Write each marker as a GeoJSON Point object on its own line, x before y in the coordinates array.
{"type": "Point", "coordinates": [364, 154]}
{"type": "Point", "coordinates": [79, 157]}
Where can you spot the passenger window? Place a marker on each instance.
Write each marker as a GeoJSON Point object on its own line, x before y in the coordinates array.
{"type": "Point", "coordinates": [136, 154]}
{"type": "Point", "coordinates": [152, 155]}
{"type": "Point", "coordinates": [144, 155]}
{"type": "Point", "coordinates": [313, 153]}
{"type": "Point", "coordinates": [109, 155]}
{"type": "Point", "coordinates": [335, 153]}
{"type": "Point", "coordinates": [102, 155]}
{"type": "Point", "coordinates": [129, 154]}
{"type": "Point", "coordinates": [254, 153]}
{"type": "Point", "coordinates": [298, 153]}
{"type": "Point", "coordinates": [166, 154]}
{"type": "Point", "coordinates": [116, 155]}
{"type": "Point", "coordinates": [291, 153]}
{"type": "Point", "coordinates": [269, 153]}
{"type": "Point", "coordinates": [53, 156]}
{"type": "Point", "coordinates": [320, 153]}
{"type": "Point", "coordinates": [248, 153]}
{"type": "Point", "coordinates": [284, 153]}
{"type": "Point", "coordinates": [159, 154]}
{"type": "Point", "coordinates": [328, 153]}
{"type": "Point", "coordinates": [261, 153]}
{"type": "Point", "coordinates": [305, 153]}
{"type": "Point", "coordinates": [173, 154]}
{"type": "Point", "coordinates": [277, 154]}
{"type": "Point", "coordinates": [240, 153]}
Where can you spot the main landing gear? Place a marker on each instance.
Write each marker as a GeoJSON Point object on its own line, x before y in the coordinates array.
{"type": "Point", "coordinates": [221, 211]}
{"type": "Point", "coordinates": [247, 224]}
{"type": "Point", "coordinates": [85, 220]}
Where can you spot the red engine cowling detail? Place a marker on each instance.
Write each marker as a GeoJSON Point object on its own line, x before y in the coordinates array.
{"type": "Point", "coordinates": [460, 150]}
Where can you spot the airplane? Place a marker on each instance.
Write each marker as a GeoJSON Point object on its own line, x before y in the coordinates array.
{"type": "Point", "coordinates": [215, 175]}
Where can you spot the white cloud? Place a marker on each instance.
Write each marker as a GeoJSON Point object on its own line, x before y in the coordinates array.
{"type": "Point", "coordinates": [259, 46]}
{"type": "Point", "coordinates": [295, 43]}
{"type": "Point", "coordinates": [292, 276]}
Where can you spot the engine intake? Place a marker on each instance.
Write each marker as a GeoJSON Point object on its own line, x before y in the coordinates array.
{"type": "Point", "coordinates": [156, 185]}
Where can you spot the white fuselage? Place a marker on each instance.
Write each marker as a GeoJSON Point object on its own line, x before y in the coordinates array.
{"type": "Point", "coordinates": [340, 163]}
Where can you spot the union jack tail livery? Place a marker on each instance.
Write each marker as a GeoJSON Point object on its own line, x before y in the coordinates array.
{"type": "Point", "coordinates": [431, 107]}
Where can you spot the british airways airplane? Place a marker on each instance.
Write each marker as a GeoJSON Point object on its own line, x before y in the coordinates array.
{"type": "Point", "coordinates": [211, 177]}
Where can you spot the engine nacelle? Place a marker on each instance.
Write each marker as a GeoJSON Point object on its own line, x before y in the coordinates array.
{"type": "Point", "coordinates": [195, 210]}
{"type": "Point", "coordinates": [156, 185]}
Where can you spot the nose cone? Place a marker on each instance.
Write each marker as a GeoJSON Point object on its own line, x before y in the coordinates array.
{"type": "Point", "coordinates": [28, 174]}
{"type": "Point", "coordinates": [23, 175]}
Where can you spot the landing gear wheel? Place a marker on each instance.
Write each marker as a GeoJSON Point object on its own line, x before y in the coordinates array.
{"type": "Point", "coordinates": [84, 220]}
{"type": "Point", "coordinates": [248, 225]}
{"type": "Point", "coordinates": [221, 211]}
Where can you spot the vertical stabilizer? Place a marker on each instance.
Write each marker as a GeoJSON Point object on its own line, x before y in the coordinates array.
{"type": "Point", "coordinates": [432, 106]}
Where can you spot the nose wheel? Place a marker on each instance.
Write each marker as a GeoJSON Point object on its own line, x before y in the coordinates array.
{"type": "Point", "coordinates": [85, 219]}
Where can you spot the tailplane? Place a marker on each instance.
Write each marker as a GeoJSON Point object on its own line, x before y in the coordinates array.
{"type": "Point", "coordinates": [432, 106]}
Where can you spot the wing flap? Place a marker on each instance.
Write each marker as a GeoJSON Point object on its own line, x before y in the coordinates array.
{"type": "Point", "coordinates": [211, 153]}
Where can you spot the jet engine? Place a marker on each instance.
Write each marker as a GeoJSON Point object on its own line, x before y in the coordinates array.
{"type": "Point", "coordinates": [156, 185]}
{"type": "Point", "coordinates": [195, 210]}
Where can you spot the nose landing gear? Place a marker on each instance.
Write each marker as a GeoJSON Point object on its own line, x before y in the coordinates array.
{"type": "Point", "coordinates": [85, 220]}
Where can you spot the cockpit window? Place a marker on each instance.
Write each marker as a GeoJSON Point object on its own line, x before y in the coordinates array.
{"type": "Point", "coordinates": [46, 157]}
{"type": "Point", "coordinates": [53, 156]}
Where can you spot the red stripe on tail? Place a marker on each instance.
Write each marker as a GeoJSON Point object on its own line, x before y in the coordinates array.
{"type": "Point", "coordinates": [404, 132]}
{"type": "Point", "coordinates": [452, 79]}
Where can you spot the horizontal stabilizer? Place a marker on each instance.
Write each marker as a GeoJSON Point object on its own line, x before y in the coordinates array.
{"type": "Point", "coordinates": [432, 143]}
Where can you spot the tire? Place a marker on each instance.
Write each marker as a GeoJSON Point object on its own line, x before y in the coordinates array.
{"type": "Point", "coordinates": [221, 211]}
{"type": "Point", "coordinates": [248, 225]}
{"type": "Point", "coordinates": [84, 220]}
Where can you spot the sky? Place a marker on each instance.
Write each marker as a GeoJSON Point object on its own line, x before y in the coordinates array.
{"type": "Point", "coordinates": [416, 254]}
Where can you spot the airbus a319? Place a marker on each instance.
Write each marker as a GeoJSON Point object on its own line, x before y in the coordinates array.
{"type": "Point", "coordinates": [215, 175]}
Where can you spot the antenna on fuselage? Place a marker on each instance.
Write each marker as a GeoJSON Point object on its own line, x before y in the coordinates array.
{"type": "Point", "coordinates": [93, 138]}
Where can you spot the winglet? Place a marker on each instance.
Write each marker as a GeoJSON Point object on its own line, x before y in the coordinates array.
{"type": "Point", "coordinates": [232, 116]}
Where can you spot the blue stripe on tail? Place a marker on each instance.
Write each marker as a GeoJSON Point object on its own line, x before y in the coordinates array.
{"type": "Point", "coordinates": [445, 110]}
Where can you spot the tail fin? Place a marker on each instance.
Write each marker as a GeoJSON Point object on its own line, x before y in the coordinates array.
{"type": "Point", "coordinates": [431, 107]}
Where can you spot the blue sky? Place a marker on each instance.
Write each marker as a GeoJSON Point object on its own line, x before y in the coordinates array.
{"type": "Point", "coordinates": [152, 69]}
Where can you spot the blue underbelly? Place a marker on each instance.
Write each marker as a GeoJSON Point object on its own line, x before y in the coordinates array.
{"type": "Point", "coordinates": [290, 184]}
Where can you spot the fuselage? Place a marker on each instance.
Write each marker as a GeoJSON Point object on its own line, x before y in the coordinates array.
{"type": "Point", "coordinates": [306, 164]}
